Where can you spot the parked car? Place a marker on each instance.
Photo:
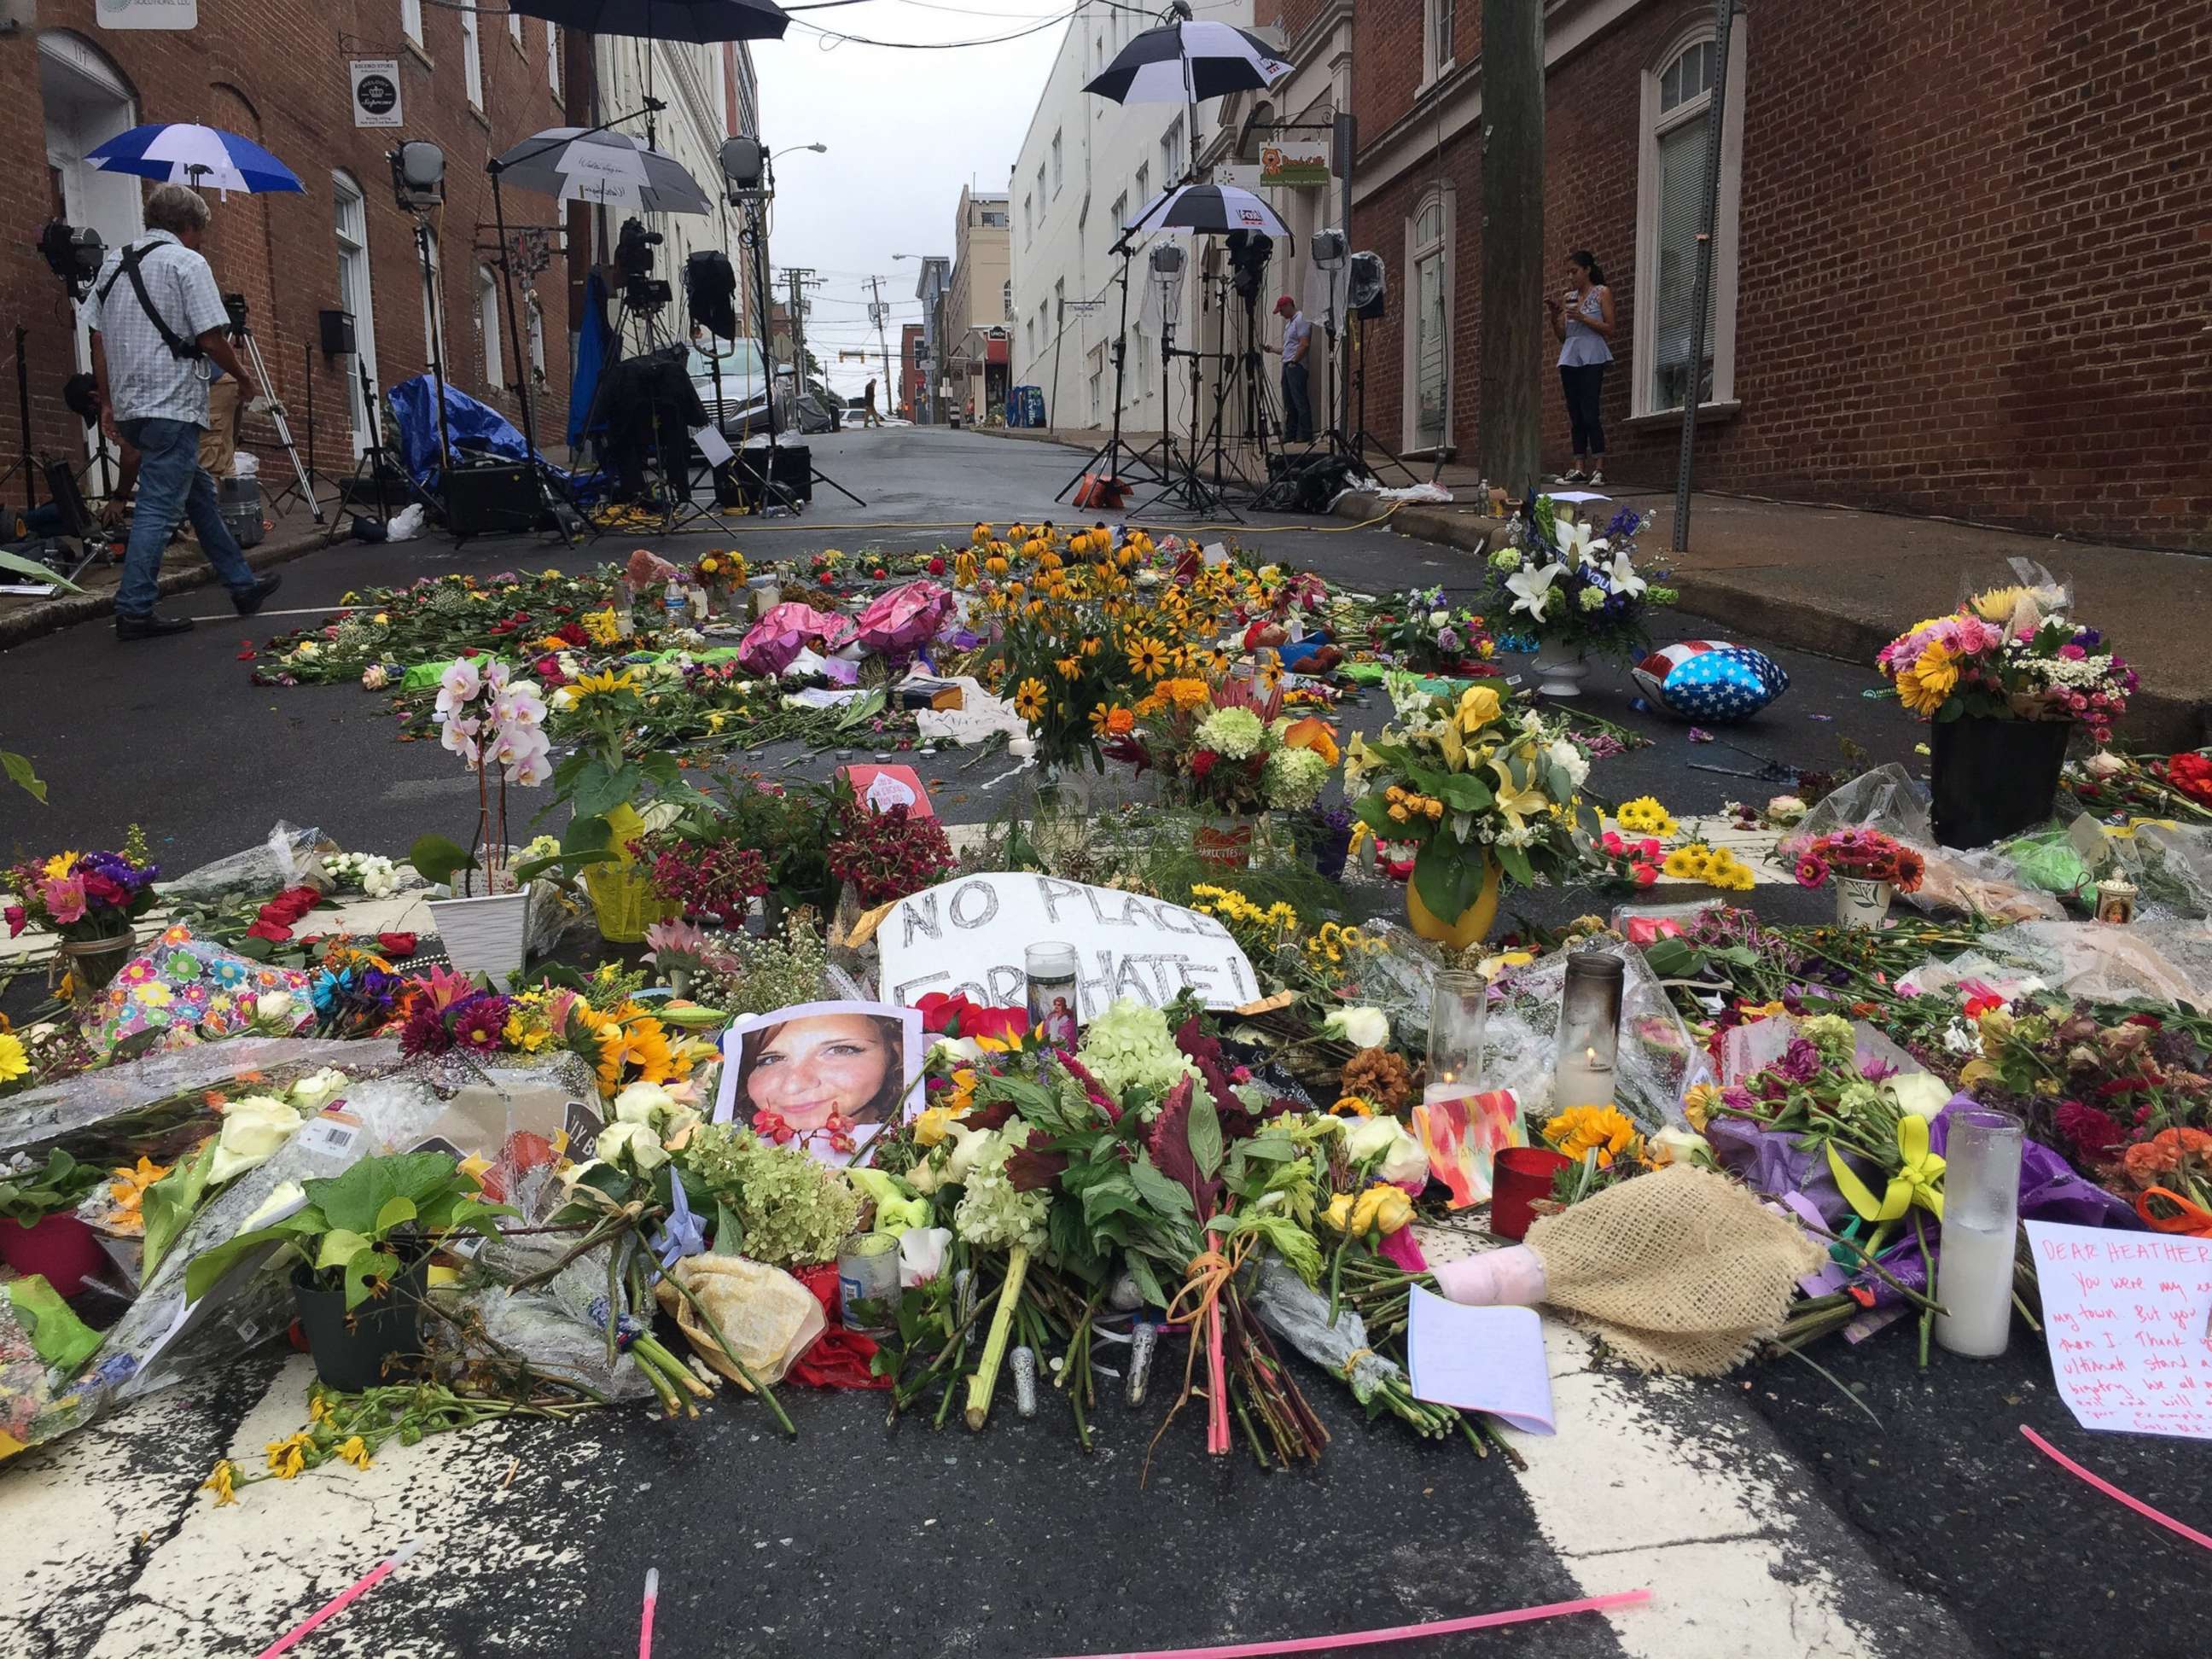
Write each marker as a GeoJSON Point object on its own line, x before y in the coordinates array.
{"type": "Point", "coordinates": [742, 407]}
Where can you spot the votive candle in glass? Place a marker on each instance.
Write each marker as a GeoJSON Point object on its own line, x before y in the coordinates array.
{"type": "Point", "coordinates": [1054, 1007]}
{"type": "Point", "coordinates": [1589, 1031]}
{"type": "Point", "coordinates": [867, 1271]}
{"type": "Point", "coordinates": [1981, 1220]}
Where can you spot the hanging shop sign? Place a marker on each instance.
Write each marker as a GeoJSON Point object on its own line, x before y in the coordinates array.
{"type": "Point", "coordinates": [147, 13]}
{"type": "Point", "coordinates": [375, 92]}
{"type": "Point", "coordinates": [1294, 165]}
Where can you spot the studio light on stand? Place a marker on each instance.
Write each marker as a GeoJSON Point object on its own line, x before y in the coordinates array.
{"type": "Point", "coordinates": [418, 183]}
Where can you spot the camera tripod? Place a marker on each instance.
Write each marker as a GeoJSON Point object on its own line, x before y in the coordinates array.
{"type": "Point", "coordinates": [1180, 468]}
{"type": "Point", "coordinates": [377, 464]}
{"type": "Point", "coordinates": [302, 484]}
{"type": "Point", "coordinates": [1114, 451]}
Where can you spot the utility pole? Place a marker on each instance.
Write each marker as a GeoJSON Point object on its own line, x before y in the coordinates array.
{"type": "Point", "coordinates": [799, 278]}
{"type": "Point", "coordinates": [877, 311]}
{"type": "Point", "coordinates": [1508, 434]}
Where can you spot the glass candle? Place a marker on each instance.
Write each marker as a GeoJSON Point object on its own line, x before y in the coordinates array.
{"type": "Point", "coordinates": [1981, 1219]}
{"type": "Point", "coordinates": [1459, 1011]}
{"type": "Point", "coordinates": [1590, 1032]}
{"type": "Point", "coordinates": [1049, 968]}
{"type": "Point", "coordinates": [867, 1271]}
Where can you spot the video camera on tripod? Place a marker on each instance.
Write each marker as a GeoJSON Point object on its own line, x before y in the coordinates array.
{"type": "Point", "coordinates": [74, 253]}
{"type": "Point", "coordinates": [641, 290]}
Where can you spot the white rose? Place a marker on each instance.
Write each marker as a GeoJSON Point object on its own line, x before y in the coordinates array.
{"type": "Point", "coordinates": [1438, 618]}
{"type": "Point", "coordinates": [2105, 764]}
{"type": "Point", "coordinates": [956, 1049]}
{"type": "Point", "coordinates": [276, 1010]}
{"type": "Point", "coordinates": [254, 1128]}
{"type": "Point", "coordinates": [643, 1102]}
{"type": "Point", "coordinates": [632, 1147]}
{"type": "Point", "coordinates": [1675, 1145]}
{"type": "Point", "coordinates": [1918, 1094]}
{"type": "Point", "coordinates": [318, 1089]}
{"type": "Point", "coordinates": [1571, 760]}
{"type": "Point", "coordinates": [1398, 1157]}
{"type": "Point", "coordinates": [1362, 1028]}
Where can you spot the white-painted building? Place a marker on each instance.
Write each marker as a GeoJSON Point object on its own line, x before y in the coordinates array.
{"type": "Point", "coordinates": [709, 92]}
{"type": "Point", "coordinates": [1085, 167]}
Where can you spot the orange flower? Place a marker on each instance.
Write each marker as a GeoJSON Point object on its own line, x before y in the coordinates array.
{"type": "Point", "coordinates": [1315, 734]}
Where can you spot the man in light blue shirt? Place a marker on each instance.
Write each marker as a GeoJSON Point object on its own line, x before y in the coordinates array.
{"type": "Point", "coordinates": [1297, 389]}
{"type": "Point", "coordinates": [158, 319]}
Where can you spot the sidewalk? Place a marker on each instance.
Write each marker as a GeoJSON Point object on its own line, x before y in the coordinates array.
{"type": "Point", "coordinates": [23, 619]}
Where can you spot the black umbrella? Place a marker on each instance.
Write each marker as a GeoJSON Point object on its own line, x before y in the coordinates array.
{"type": "Point", "coordinates": [1184, 62]}
{"type": "Point", "coordinates": [1214, 208]}
{"type": "Point", "coordinates": [698, 20]}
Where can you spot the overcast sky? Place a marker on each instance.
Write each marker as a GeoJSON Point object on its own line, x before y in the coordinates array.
{"type": "Point", "coordinates": [906, 130]}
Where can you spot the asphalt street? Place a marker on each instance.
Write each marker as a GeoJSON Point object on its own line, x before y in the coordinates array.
{"type": "Point", "coordinates": [1772, 1516]}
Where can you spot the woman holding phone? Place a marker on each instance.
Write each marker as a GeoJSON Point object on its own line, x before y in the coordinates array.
{"type": "Point", "coordinates": [1582, 321]}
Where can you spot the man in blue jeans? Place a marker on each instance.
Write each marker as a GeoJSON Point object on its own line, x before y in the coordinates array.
{"type": "Point", "coordinates": [1298, 387]}
{"type": "Point", "coordinates": [158, 319]}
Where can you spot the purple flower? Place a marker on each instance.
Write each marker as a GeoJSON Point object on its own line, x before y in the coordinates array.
{"type": "Point", "coordinates": [478, 1022]}
{"type": "Point", "coordinates": [1801, 1062]}
{"type": "Point", "coordinates": [1877, 1071]}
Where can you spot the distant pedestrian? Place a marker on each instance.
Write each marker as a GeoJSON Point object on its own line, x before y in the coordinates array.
{"type": "Point", "coordinates": [1298, 384]}
{"type": "Point", "coordinates": [158, 319]}
{"type": "Point", "coordinates": [1582, 321]}
{"type": "Point", "coordinates": [868, 416]}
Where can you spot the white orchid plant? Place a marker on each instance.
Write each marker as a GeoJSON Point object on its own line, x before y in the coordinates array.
{"type": "Point", "coordinates": [1564, 581]}
{"type": "Point", "coordinates": [496, 724]}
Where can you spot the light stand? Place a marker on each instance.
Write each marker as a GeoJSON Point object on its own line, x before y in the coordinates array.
{"type": "Point", "coordinates": [1114, 451]}
{"type": "Point", "coordinates": [418, 181]}
{"type": "Point", "coordinates": [567, 521]}
{"type": "Point", "coordinates": [375, 462]}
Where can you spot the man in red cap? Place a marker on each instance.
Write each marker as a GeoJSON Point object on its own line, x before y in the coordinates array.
{"type": "Point", "coordinates": [1297, 393]}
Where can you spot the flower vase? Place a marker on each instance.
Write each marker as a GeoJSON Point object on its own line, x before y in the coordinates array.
{"type": "Point", "coordinates": [1469, 926]}
{"type": "Point", "coordinates": [623, 903]}
{"type": "Point", "coordinates": [93, 965]}
{"type": "Point", "coordinates": [350, 1349]}
{"type": "Point", "coordinates": [488, 935]}
{"type": "Point", "coordinates": [1559, 674]}
{"type": "Point", "coordinates": [1992, 779]}
{"type": "Point", "coordinates": [1861, 902]}
{"type": "Point", "coordinates": [59, 1247]}
{"type": "Point", "coordinates": [1332, 848]}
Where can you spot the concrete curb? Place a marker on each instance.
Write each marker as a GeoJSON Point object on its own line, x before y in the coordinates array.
{"type": "Point", "coordinates": [67, 610]}
{"type": "Point", "coordinates": [1738, 600]}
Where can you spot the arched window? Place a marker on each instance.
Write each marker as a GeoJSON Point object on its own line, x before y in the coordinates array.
{"type": "Point", "coordinates": [1428, 341]}
{"type": "Point", "coordinates": [1677, 104]}
{"type": "Point", "coordinates": [349, 224]}
{"type": "Point", "coordinates": [487, 325]}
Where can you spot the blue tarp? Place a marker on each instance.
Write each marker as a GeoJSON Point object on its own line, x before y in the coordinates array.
{"type": "Point", "coordinates": [591, 358]}
{"type": "Point", "coordinates": [470, 425]}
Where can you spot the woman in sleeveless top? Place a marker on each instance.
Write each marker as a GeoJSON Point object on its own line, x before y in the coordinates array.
{"type": "Point", "coordinates": [1582, 321]}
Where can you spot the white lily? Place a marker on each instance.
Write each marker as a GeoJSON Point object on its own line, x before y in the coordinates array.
{"type": "Point", "coordinates": [1577, 541]}
{"type": "Point", "coordinates": [1531, 588]}
{"type": "Point", "coordinates": [1622, 573]}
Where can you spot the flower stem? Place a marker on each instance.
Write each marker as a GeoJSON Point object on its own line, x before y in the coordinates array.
{"type": "Point", "coordinates": [986, 1378]}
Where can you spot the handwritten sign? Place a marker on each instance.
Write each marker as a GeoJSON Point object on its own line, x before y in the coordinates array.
{"type": "Point", "coordinates": [2124, 1315]}
{"type": "Point", "coordinates": [970, 935]}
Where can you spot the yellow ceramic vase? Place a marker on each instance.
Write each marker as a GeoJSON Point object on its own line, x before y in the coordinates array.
{"type": "Point", "coordinates": [1469, 926]}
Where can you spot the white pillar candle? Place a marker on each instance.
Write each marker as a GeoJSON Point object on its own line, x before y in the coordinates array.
{"type": "Point", "coordinates": [1581, 1080]}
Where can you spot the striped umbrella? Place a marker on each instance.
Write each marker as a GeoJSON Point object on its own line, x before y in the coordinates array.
{"type": "Point", "coordinates": [206, 158]}
{"type": "Point", "coordinates": [1184, 62]}
{"type": "Point", "coordinates": [1214, 208]}
{"type": "Point", "coordinates": [613, 169]}
{"type": "Point", "coordinates": [700, 20]}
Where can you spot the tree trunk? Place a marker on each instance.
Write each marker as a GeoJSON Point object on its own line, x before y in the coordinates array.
{"type": "Point", "coordinates": [1515, 340]}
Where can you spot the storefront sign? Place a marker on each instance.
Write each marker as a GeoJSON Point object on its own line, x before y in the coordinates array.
{"type": "Point", "coordinates": [148, 14]}
{"type": "Point", "coordinates": [970, 936]}
{"type": "Point", "coordinates": [375, 92]}
{"type": "Point", "coordinates": [1294, 165]}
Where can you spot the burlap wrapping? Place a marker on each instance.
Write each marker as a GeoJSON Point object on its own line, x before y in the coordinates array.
{"type": "Point", "coordinates": [1680, 1270]}
{"type": "Point", "coordinates": [769, 1317]}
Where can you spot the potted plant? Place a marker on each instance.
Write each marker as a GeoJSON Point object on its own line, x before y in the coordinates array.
{"type": "Point", "coordinates": [1867, 867]}
{"type": "Point", "coordinates": [496, 724]}
{"type": "Point", "coordinates": [1483, 791]}
{"type": "Point", "coordinates": [360, 1250]}
{"type": "Point", "coordinates": [2003, 681]}
{"type": "Point", "coordinates": [37, 1232]}
{"type": "Point", "coordinates": [92, 901]}
{"type": "Point", "coordinates": [1574, 591]}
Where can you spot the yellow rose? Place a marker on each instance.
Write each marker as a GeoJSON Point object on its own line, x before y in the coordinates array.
{"type": "Point", "coordinates": [1477, 706]}
{"type": "Point", "coordinates": [1339, 1215]}
{"type": "Point", "coordinates": [1381, 1209]}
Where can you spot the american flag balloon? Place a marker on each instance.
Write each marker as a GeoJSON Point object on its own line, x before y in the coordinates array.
{"type": "Point", "coordinates": [1711, 681]}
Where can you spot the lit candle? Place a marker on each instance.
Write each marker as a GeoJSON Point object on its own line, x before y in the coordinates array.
{"type": "Point", "coordinates": [1589, 1031]}
{"type": "Point", "coordinates": [1582, 1080]}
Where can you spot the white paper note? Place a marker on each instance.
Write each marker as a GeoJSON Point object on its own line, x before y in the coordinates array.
{"type": "Point", "coordinates": [712, 445]}
{"type": "Point", "coordinates": [1482, 1360]}
{"type": "Point", "coordinates": [2124, 1315]}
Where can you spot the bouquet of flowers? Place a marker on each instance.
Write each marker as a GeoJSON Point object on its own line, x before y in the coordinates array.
{"type": "Point", "coordinates": [1473, 782]}
{"type": "Point", "coordinates": [720, 571]}
{"type": "Point", "coordinates": [712, 881]}
{"type": "Point", "coordinates": [1559, 581]}
{"type": "Point", "coordinates": [1225, 744]}
{"type": "Point", "coordinates": [1431, 637]}
{"type": "Point", "coordinates": [2009, 653]}
{"type": "Point", "coordinates": [885, 855]}
{"type": "Point", "coordinates": [83, 896]}
{"type": "Point", "coordinates": [1864, 854]}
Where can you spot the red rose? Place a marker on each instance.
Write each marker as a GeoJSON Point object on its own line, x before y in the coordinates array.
{"type": "Point", "coordinates": [937, 567]}
{"type": "Point", "coordinates": [398, 946]}
{"type": "Point", "coordinates": [275, 932]}
{"type": "Point", "coordinates": [1000, 1024]}
{"type": "Point", "coordinates": [105, 892]}
{"type": "Point", "coordinates": [1201, 763]}
{"type": "Point", "coordinates": [941, 1015]}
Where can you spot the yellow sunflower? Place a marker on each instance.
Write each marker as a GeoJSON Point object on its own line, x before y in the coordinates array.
{"type": "Point", "coordinates": [604, 684]}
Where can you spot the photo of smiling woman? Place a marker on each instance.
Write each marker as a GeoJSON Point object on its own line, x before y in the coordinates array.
{"type": "Point", "coordinates": [828, 1076]}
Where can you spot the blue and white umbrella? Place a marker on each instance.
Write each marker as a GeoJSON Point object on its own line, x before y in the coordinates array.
{"type": "Point", "coordinates": [206, 158]}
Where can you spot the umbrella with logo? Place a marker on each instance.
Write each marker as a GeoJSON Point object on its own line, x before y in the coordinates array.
{"type": "Point", "coordinates": [206, 158]}
{"type": "Point", "coordinates": [1185, 62]}
{"type": "Point", "coordinates": [1215, 210]}
{"type": "Point", "coordinates": [698, 20]}
{"type": "Point", "coordinates": [611, 169]}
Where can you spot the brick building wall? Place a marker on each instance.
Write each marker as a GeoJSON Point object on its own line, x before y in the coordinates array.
{"type": "Point", "coordinates": [1984, 293]}
{"type": "Point", "coordinates": [910, 379]}
{"type": "Point", "coordinates": [273, 71]}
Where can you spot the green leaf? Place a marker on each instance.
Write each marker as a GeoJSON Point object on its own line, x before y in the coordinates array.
{"type": "Point", "coordinates": [209, 1266]}
{"type": "Point", "coordinates": [1203, 1131]}
{"type": "Point", "coordinates": [1148, 1284]}
{"type": "Point", "coordinates": [339, 1245]}
{"type": "Point", "coordinates": [1158, 1190]}
{"type": "Point", "coordinates": [19, 772]}
{"type": "Point", "coordinates": [396, 1209]}
{"type": "Point", "coordinates": [729, 1231]}
{"type": "Point", "coordinates": [358, 1197]}
{"type": "Point", "coordinates": [1447, 882]}
{"type": "Point", "coordinates": [168, 1205]}
{"type": "Point", "coordinates": [364, 1266]}
{"type": "Point", "coordinates": [437, 859]}
{"type": "Point", "coordinates": [1516, 861]}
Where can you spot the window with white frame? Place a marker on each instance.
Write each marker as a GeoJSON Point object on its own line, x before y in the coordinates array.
{"type": "Point", "coordinates": [1059, 170]}
{"type": "Point", "coordinates": [1171, 152]}
{"type": "Point", "coordinates": [1122, 212]}
{"type": "Point", "coordinates": [1428, 342]}
{"type": "Point", "coordinates": [1030, 339]}
{"type": "Point", "coordinates": [487, 325]}
{"type": "Point", "coordinates": [349, 222]}
{"type": "Point", "coordinates": [1677, 103]}
{"type": "Point", "coordinates": [1028, 219]}
{"type": "Point", "coordinates": [553, 57]}
{"type": "Point", "coordinates": [1007, 298]}
{"type": "Point", "coordinates": [1436, 38]}
{"type": "Point", "coordinates": [1144, 186]}
{"type": "Point", "coordinates": [410, 19]}
{"type": "Point", "coordinates": [471, 54]}
{"type": "Point", "coordinates": [1041, 194]}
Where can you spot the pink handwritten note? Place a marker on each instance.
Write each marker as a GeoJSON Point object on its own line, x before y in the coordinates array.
{"type": "Point", "coordinates": [2124, 1315]}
